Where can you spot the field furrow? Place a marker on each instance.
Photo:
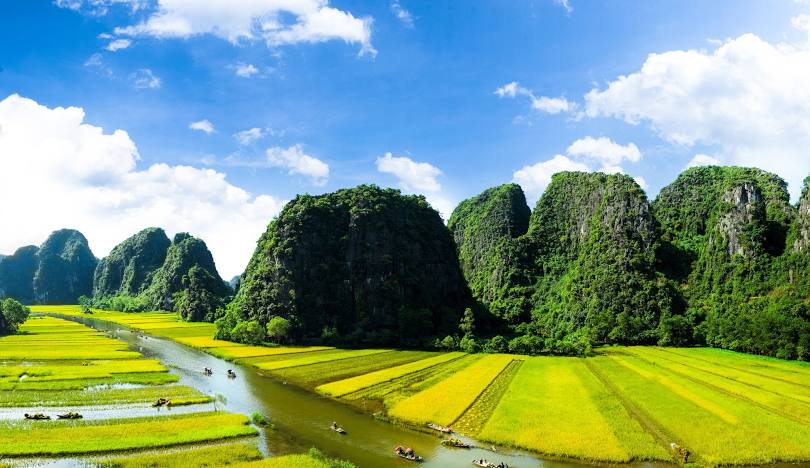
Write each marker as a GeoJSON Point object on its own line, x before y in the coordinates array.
{"type": "Point", "coordinates": [346, 386]}
{"type": "Point", "coordinates": [558, 407]}
{"type": "Point", "coordinates": [741, 433]}
{"type": "Point", "coordinates": [446, 401]}
{"type": "Point", "coordinates": [474, 419]}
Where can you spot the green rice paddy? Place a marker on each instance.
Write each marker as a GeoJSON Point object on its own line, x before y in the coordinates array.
{"type": "Point", "coordinates": [625, 404]}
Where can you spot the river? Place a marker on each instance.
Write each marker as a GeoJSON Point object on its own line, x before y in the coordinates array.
{"type": "Point", "coordinates": [302, 418]}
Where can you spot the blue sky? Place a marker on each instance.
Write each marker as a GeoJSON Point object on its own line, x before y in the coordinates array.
{"type": "Point", "coordinates": [441, 98]}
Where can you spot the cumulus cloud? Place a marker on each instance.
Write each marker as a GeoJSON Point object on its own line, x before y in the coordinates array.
{"type": "Point", "coordinates": [535, 178]}
{"type": "Point", "coordinates": [246, 137]}
{"type": "Point", "coordinates": [297, 162]}
{"type": "Point", "coordinates": [747, 100]}
{"type": "Point", "coordinates": [246, 70]}
{"type": "Point", "coordinates": [402, 14]}
{"type": "Point", "coordinates": [203, 125]}
{"type": "Point", "coordinates": [604, 150]}
{"type": "Point", "coordinates": [581, 156]}
{"type": "Point", "coordinates": [703, 160]}
{"type": "Point", "coordinates": [418, 177]}
{"type": "Point", "coordinates": [145, 79]}
{"type": "Point", "coordinates": [276, 22]}
{"type": "Point", "coordinates": [70, 173]}
{"type": "Point", "coordinates": [542, 103]}
{"type": "Point", "coordinates": [411, 175]}
{"type": "Point", "coordinates": [118, 44]}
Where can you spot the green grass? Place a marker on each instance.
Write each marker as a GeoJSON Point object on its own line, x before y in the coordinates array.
{"type": "Point", "coordinates": [557, 407]}
{"type": "Point", "coordinates": [197, 457]}
{"type": "Point", "coordinates": [52, 438]}
{"type": "Point", "coordinates": [305, 359]}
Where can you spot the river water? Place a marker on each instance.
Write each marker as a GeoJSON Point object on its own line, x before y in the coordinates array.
{"type": "Point", "coordinates": [302, 418]}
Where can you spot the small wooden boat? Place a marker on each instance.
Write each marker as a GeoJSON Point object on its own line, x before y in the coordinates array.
{"type": "Point", "coordinates": [231, 374]}
{"type": "Point", "coordinates": [488, 464]}
{"type": "Point", "coordinates": [161, 402]}
{"type": "Point", "coordinates": [37, 417]}
{"type": "Point", "coordinates": [70, 415]}
{"type": "Point", "coordinates": [408, 454]}
{"type": "Point", "coordinates": [442, 429]}
{"type": "Point", "coordinates": [208, 371]}
{"type": "Point", "coordinates": [337, 428]}
{"type": "Point", "coordinates": [458, 443]}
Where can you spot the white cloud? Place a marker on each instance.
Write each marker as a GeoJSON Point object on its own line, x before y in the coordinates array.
{"type": "Point", "coordinates": [297, 162]}
{"type": "Point", "coordinates": [118, 44]}
{"type": "Point", "coordinates": [96, 62]}
{"type": "Point", "coordinates": [580, 156]}
{"type": "Point", "coordinates": [604, 150]}
{"type": "Point", "coordinates": [246, 70]}
{"type": "Point", "coordinates": [203, 125]}
{"type": "Point", "coordinates": [747, 100]}
{"type": "Point", "coordinates": [509, 90]}
{"type": "Point", "coordinates": [246, 137]}
{"type": "Point", "coordinates": [420, 178]}
{"type": "Point", "coordinates": [94, 185]}
{"type": "Point", "coordinates": [565, 4]}
{"type": "Point", "coordinates": [703, 160]}
{"type": "Point", "coordinates": [402, 14]}
{"type": "Point", "coordinates": [642, 182]}
{"type": "Point", "coordinates": [411, 175]}
{"type": "Point", "coordinates": [145, 79]}
{"type": "Point", "coordinates": [542, 103]}
{"type": "Point", "coordinates": [552, 105]}
{"type": "Point", "coordinates": [100, 7]}
{"type": "Point", "coordinates": [535, 178]}
{"type": "Point", "coordinates": [277, 22]}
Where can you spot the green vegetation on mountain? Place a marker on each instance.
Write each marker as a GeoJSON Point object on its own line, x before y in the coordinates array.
{"type": "Point", "coordinates": [147, 272]}
{"type": "Point", "coordinates": [129, 267]}
{"type": "Point", "coordinates": [581, 271]}
{"type": "Point", "coordinates": [737, 247]}
{"type": "Point", "coordinates": [364, 266]}
{"type": "Point", "coordinates": [485, 228]}
{"type": "Point", "coordinates": [57, 272]}
{"type": "Point", "coordinates": [17, 274]}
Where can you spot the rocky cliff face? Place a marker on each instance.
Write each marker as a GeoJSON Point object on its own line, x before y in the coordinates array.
{"type": "Point", "coordinates": [741, 220]}
{"type": "Point", "coordinates": [129, 267]}
{"type": "Point", "coordinates": [801, 242]}
{"type": "Point", "coordinates": [363, 265]}
{"type": "Point", "coordinates": [485, 228]}
{"type": "Point", "coordinates": [65, 268]}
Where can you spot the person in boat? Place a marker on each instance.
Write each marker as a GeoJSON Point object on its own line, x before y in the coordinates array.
{"type": "Point", "coordinates": [207, 371]}
{"type": "Point", "coordinates": [399, 450]}
{"type": "Point", "coordinates": [231, 373]}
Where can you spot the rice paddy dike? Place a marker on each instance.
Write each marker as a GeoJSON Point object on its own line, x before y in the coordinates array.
{"type": "Point", "coordinates": [625, 405]}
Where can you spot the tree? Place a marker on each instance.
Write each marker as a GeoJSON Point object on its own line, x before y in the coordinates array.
{"type": "Point", "coordinates": [467, 325]}
{"type": "Point", "coordinates": [250, 332]}
{"type": "Point", "coordinates": [12, 316]}
{"type": "Point", "coordinates": [278, 328]}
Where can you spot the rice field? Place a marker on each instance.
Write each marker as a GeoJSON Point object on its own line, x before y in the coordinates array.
{"type": "Point", "coordinates": [54, 438]}
{"type": "Point", "coordinates": [627, 404]}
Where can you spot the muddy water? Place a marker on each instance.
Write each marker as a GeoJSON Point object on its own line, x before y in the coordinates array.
{"type": "Point", "coordinates": [302, 418]}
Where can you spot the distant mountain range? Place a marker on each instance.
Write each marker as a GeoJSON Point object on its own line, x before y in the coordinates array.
{"type": "Point", "coordinates": [720, 258]}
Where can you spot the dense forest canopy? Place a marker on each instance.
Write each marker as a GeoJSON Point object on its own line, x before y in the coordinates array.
{"type": "Point", "coordinates": [363, 266]}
